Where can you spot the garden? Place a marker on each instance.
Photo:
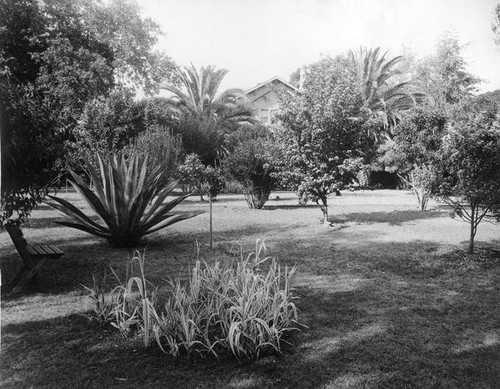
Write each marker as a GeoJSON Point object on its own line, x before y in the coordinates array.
{"type": "Point", "coordinates": [178, 241]}
{"type": "Point", "coordinates": [387, 297]}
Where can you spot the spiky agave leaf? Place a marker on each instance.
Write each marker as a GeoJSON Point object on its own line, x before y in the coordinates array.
{"type": "Point", "coordinates": [123, 191]}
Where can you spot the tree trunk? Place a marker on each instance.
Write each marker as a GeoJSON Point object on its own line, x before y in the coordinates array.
{"type": "Point", "coordinates": [421, 194]}
{"type": "Point", "coordinates": [324, 209]}
{"type": "Point", "coordinates": [473, 230]}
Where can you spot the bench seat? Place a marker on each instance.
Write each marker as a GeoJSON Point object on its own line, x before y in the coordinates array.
{"type": "Point", "coordinates": [44, 251]}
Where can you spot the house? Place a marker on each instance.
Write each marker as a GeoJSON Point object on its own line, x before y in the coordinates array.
{"type": "Point", "coordinates": [264, 99]}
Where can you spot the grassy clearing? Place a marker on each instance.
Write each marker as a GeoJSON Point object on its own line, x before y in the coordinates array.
{"type": "Point", "coordinates": [390, 299]}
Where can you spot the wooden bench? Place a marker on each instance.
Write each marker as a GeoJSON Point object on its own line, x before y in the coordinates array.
{"type": "Point", "coordinates": [33, 257]}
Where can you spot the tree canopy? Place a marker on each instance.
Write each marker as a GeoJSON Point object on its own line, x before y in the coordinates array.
{"type": "Point", "coordinates": [469, 172]}
{"type": "Point", "coordinates": [322, 128]}
{"type": "Point", "coordinates": [444, 76]}
{"type": "Point", "coordinates": [206, 115]}
{"type": "Point", "coordinates": [385, 89]}
{"type": "Point", "coordinates": [56, 57]}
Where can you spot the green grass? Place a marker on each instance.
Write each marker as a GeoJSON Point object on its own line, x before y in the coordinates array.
{"type": "Point", "coordinates": [390, 299]}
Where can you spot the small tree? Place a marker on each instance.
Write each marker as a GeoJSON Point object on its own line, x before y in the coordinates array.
{"type": "Point", "coordinates": [321, 128]}
{"type": "Point", "coordinates": [205, 179]}
{"type": "Point", "coordinates": [415, 150]}
{"type": "Point", "coordinates": [470, 172]}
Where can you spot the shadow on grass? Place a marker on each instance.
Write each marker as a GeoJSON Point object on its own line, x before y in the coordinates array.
{"type": "Point", "coordinates": [82, 355]}
{"type": "Point", "coordinates": [370, 325]}
{"type": "Point", "coordinates": [166, 255]}
{"type": "Point", "coordinates": [273, 207]}
{"type": "Point", "coordinates": [385, 315]}
{"type": "Point", "coordinates": [392, 218]}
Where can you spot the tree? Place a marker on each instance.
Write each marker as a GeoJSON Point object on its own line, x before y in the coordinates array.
{"type": "Point", "coordinates": [415, 149]}
{"type": "Point", "coordinates": [470, 173]}
{"type": "Point", "coordinates": [193, 174]}
{"type": "Point", "coordinates": [56, 56]}
{"type": "Point", "coordinates": [205, 116]}
{"type": "Point", "coordinates": [496, 24]}
{"type": "Point", "coordinates": [321, 128]}
{"type": "Point", "coordinates": [444, 76]}
{"type": "Point", "coordinates": [107, 125]}
{"type": "Point", "coordinates": [385, 95]}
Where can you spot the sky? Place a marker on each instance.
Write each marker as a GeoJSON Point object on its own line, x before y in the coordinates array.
{"type": "Point", "coordinates": [256, 40]}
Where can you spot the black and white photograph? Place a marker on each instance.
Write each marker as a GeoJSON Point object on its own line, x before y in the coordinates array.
{"type": "Point", "coordinates": [250, 194]}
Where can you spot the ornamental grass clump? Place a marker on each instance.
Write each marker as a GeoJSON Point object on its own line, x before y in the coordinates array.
{"type": "Point", "coordinates": [127, 199]}
{"type": "Point", "coordinates": [245, 309]}
{"type": "Point", "coordinates": [129, 306]}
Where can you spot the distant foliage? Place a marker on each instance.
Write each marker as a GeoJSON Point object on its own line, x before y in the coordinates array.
{"type": "Point", "coordinates": [444, 76]}
{"type": "Point", "coordinates": [251, 164]}
{"type": "Point", "coordinates": [416, 149]}
{"type": "Point", "coordinates": [386, 90]}
{"type": "Point", "coordinates": [164, 150]}
{"type": "Point", "coordinates": [206, 115]}
{"type": "Point", "coordinates": [496, 24]}
{"type": "Point", "coordinates": [107, 125]}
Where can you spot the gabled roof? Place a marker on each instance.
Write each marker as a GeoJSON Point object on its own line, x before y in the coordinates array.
{"type": "Point", "coordinates": [271, 81]}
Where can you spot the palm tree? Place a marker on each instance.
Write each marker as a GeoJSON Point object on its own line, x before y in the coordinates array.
{"type": "Point", "coordinates": [199, 94]}
{"type": "Point", "coordinates": [199, 104]}
{"type": "Point", "coordinates": [383, 92]}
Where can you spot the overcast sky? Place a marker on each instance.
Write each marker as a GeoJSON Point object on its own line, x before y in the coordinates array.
{"type": "Point", "coordinates": [259, 39]}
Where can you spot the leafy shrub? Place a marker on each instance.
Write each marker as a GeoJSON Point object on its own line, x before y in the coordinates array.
{"type": "Point", "coordinates": [233, 187]}
{"type": "Point", "coordinates": [244, 309]}
{"type": "Point", "coordinates": [163, 148]}
{"type": "Point", "coordinates": [250, 164]}
{"type": "Point", "coordinates": [123, 191]}
{"type": "Point", "coordinates": [194, 175]}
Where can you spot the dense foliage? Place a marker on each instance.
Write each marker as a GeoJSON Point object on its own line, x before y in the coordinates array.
{"type": "Point", "coordinates": [194, 176]}
{"type": "Point", "coordinates": [444, 76]}
{"type": "Point", "coordinates": [206, 115]}
{"type": "Point", "coordinates": [164, 150]}
{"type": "Point", "coordinates": [469, 175]}
{"type": "Point", "coordinates": [56, 57]}
{"type": "Point", "coordinates": [415, 149]}
{"type": "Point", "coordinates": [251, 164]}
{"type": "Point", "coordinates": [386, 90]}
{"type": "Point", "coordinates": [321, 129]}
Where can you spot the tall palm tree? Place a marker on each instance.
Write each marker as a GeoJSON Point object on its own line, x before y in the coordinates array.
{"type": "Point", "coordinates": [384, 93]}
{"type": "Point", "coordinates": [200, 105]}
{"type": "Point", "coordinates": [199, 95]}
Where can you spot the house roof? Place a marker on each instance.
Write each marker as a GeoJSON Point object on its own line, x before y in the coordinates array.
{"type": "Point", "coordinates": [276, 78]}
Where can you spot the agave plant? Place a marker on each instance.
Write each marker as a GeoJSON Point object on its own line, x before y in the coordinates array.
{"type": "Point", "coordinates": [122, 193]}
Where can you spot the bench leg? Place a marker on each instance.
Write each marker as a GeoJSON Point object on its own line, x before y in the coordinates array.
{"type": "Point", "coordinates": [25, 276]}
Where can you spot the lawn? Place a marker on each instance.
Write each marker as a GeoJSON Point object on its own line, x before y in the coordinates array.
{"type": "Point", "coordinates": [389, 298]}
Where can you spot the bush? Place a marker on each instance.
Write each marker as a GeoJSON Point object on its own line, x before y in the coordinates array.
{"type": "Point", "coordinates": [233, 187]}
{"type": "Point", "coordinates": [244, 310]}
{"type": "Point", "coordinates": [194, 175]}
{"type": "Point", "coordinates": [123, 191]}
{"type": "Point", "coordinates": [163, 148]}
{"type": "Point", "coordinates": [250, 164]}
